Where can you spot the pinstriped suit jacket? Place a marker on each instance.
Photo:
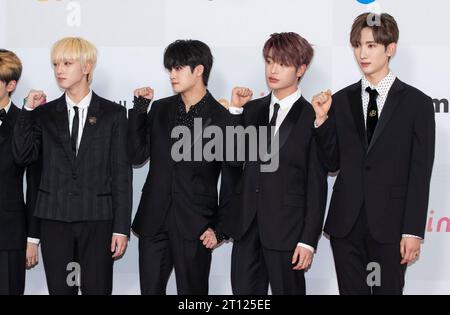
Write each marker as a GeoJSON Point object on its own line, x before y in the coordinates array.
{"type": "Point", "coordinates": [96, 184]}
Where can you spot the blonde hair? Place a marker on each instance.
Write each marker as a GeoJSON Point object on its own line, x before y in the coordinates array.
{"type": "Point", "coordinates": [75, 49]}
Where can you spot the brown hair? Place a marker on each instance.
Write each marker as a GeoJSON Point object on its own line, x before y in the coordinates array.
{"type": "Point", "coordinates": [384, 28]}
{"type": "Point", "coordinates": [289, 49]}
{"type": "Point", "coordinates": [10, 66]}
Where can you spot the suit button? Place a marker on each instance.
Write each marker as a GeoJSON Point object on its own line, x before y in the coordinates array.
{"type": "Point", "coordinates": [257, 191]}
{"type": "Point", "coordinates": [74, 176]}
{"type": "Point", "coordinates": [368, 168]}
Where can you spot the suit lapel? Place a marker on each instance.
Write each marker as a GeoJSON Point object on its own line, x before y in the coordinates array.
{"type": "Point", "coordinates": [263, 121]}
{"type": "Point", "coordinates": [290, 121]}
{"type": "Point", "coordinates": [389, 107]}
{"type": "Point", "coordinates": [355, 101]}
{"type": "Point", "coordinates": [92, 120]}
{"type": "Point", "coordinates": [61, 119]}
{"type": "Point", "coordinates": [263, 117]}
{"type": "Point", "coordinates": [171, 112]}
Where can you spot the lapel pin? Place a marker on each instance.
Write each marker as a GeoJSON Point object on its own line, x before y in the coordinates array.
{"type": "Point", "coordinates": [92, 120]}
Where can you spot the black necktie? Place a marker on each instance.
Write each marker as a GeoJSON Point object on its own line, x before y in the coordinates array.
{"type": "Point", "coordinates": [272, 123]}
{"type": "Point", "coordinates": [372, 113]}
{"type": "Point", "coordinates": [2, 114]}
{"type": "Point", "coordinates": [74, 137]}
{"type": "Point", "coordinates": [276, 108]}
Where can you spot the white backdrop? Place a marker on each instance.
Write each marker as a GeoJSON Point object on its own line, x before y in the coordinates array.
{"type": "Point", "coordinates": [131, 37]}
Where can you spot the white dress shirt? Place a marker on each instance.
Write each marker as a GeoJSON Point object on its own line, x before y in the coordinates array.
{"type": "Point", "coordinates": [285, 106]}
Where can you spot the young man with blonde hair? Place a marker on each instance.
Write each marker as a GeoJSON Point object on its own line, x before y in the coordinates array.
{"type": "Point", "coordinates": [84, 198]}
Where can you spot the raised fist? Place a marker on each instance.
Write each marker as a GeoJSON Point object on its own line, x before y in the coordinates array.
{"type": "Point", "coordinates": [145, 92]}
{"type": "Point", "coordinates": [240, 96]}
{"type": "Point", "coordinates": [35, 99]}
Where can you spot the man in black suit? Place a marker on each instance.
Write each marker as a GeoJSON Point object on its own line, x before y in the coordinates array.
{"type": "Point", "coordinates": [19, 230]}
{"type": "Point", "coordinates": [276, 216]}
{"type": "Point", "coordinates": [180, 205]}
{"type": "Point", "coordinates": [84, 198]}
{"type": "Point", "coordinates": [380, 135]}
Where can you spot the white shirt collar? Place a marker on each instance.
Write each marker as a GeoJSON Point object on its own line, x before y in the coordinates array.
{"type": "Point", "coordinates": [382, 87]}
{"type": "Point", "coordinates": [84, 103]}
{"type": "Point", "coordinates": [8, 106]}
{"type": "Point", "coordinates": [287, 101]}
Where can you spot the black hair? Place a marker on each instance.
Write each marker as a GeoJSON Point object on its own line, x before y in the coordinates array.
{"type": "Point", "coordinates": [190, 53]}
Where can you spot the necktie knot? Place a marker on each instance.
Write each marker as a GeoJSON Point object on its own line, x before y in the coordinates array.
{"type": "Point", "coordinates": [2, 114]}
{"type": "Point", "coordinates": [373, 93]}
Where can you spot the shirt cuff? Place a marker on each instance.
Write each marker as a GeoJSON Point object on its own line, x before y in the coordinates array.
{"type": "Point", "coordinates": [310, 248]}
{"type": "Point", "coordinates": [235, 110]}
{"type": "Point", "coordinates": [120, 234]}
{"type": "Point", "coordinates": [33, 240]}
{"type": "Point", "coordinates": [411, 236]}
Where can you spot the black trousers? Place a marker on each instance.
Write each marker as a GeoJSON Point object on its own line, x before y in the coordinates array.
{"type": "Point", "coordinates": [86, 244]}
{"type": "Point", "coordinates": [168, 250]}
{"type": "Point", "coordinates": [253, 267]}
{"type": "Point", "coordinates": [354, 253]}
{"type": "Point", "coordinates": [12, 272]}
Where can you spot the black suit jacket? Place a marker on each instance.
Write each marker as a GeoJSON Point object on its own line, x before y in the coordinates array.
{"type": "Point", "coordinates": [94, 186]}
{"type": "Point", "coordinates": [16, 218]}
{"type": "Point", "coordinates": [391, 176]}
{"type": "Point", "coordinates": [289, 204]}
{"type": "Point", "coordinates": [189, 186]}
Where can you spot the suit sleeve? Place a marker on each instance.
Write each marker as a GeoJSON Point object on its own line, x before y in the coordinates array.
{"type": "Point", "coordinates": [27, 139]}
{"type": "Point", "coordinates": [327, 143]}
{"type": "Point", "coordinates": [121, 176]}
{"type": "Point", "coordinates": [139, 129]}
{"type": "Point", "coordinates": [422, 158]}
{"type": "Point", "coordinates": [33, 178]}
{"type": "Point", "coordinates": [316, 198]}
{"type": "Point", "coordinates": [232, 147]}
{"type": "Point", "coordinates": [231, 168]}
